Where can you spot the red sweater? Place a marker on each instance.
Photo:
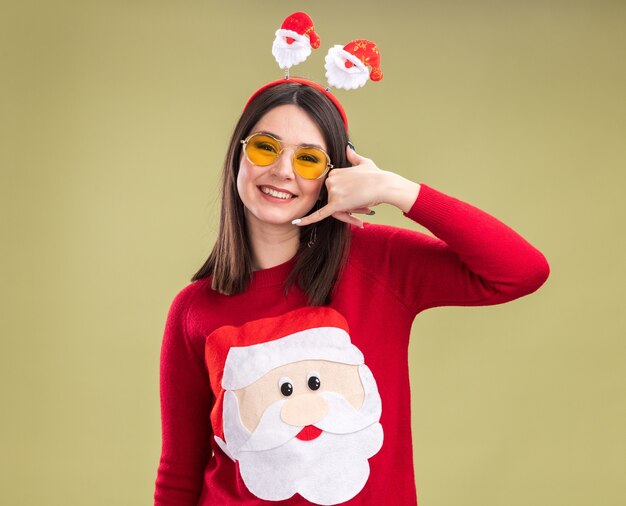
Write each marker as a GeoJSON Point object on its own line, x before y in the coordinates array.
{"type": "Point", "coordinates": [391, 275]}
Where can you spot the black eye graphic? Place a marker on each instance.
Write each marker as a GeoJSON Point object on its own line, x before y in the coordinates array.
{"type": "Point", "coordinates": [286, 387]}
{"type": "Point", "coordinates": [314, 382]}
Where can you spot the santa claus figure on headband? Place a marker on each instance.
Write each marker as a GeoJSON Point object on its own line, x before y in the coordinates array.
{"type": "Point", "coordinates": [348, 67]}
{"type": "Point", "coordinates": [294, 40]}
{"type": "Point", "coordinates": [297, 408]}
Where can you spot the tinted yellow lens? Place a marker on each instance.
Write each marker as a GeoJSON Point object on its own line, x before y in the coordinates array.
{"type": "Point", "coordinates": [262, 150]}
{"type": "Point", "coordinates": [310, 163]}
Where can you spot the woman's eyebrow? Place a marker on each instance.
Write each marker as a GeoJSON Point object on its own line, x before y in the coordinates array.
{"type": "Point", "coordinates": [277, 137]}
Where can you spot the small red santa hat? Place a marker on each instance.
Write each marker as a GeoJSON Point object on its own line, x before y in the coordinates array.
{"type": "Point", "coordinates": [302, 24]}
{"type": "Point", "coordinates": [236, 357]}
{"type": "Point", "coordinates": [294, 40]}
{"type": "Point", "coordinates": [347, 66]}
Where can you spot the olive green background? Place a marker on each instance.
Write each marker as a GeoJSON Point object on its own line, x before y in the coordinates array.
{"type": "Point", "coordinates": [114, 119]}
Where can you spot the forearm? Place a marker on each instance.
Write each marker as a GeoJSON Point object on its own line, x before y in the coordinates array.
{"type": "Point", "coordinates": [398, 191]}
{"type": "Point", "coordinates": [501, 257]}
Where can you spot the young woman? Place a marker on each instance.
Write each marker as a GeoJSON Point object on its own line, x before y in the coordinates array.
{"type": "Point", "coordinates": [284, 368]}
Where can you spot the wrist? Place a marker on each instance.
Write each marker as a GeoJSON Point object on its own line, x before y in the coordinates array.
{"type": "Point", "coordinates": [399, 191]}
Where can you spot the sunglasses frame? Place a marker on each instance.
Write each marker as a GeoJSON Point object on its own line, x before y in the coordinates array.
{"type": "Point", "coordinates": [245, 142]}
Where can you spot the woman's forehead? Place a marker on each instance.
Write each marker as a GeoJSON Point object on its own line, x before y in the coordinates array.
{"type": "Point", "coordinates": [291, 125]}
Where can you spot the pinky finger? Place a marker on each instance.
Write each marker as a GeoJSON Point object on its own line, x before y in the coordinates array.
{"type": "Point", "coordinates": [363, 210]}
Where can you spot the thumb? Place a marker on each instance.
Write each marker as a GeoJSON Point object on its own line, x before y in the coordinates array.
{"type": "Point", "coordinates": [353, 157]}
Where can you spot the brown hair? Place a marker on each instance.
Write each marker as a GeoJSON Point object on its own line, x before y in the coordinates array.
{"type": "Point", "coordinates": [317, 267]}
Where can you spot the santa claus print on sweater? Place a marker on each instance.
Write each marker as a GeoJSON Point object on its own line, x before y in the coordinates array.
{"type": "Point", "coordinates": [296, 406]}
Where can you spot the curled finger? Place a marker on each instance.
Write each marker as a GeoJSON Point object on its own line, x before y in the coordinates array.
{"type": "Point", "coordinates": [347, 217]}
{"type": "Point", "coordinates": [363, 210]}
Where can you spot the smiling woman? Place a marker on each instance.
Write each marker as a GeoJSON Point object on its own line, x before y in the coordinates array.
{"type": "Point", "coordinates": [296, 296]}
{"type": "Point", "coordinates": [255, 221]}
{"type": "Point", "coordinates": [284, 369]}
{"type": "Point", "coordinates": [274, 195]}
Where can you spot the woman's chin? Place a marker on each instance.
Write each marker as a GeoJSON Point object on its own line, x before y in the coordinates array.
{"type": "Point", "coordinates": [277, 219]}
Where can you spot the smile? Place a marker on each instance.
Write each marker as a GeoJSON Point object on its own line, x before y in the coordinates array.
{"type": "Point", "coordinates": [275, 193]}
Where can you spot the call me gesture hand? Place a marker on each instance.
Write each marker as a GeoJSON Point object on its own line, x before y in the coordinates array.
{"type": "Point", "coordinates": [358, 188]}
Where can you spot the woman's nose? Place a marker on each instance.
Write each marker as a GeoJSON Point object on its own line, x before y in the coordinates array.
{"type": "Point", "coordinates": [283, 167]}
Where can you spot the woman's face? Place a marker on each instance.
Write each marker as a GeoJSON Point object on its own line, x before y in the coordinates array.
{"type": "Point", "coordinates": [275, 194]}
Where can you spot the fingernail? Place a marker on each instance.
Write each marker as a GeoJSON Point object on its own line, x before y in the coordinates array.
{"type": "Point", "coordinates": [371, 213]}
{"type": "Point", "coordinates": [296, 221]}
{"type": "Point", "coordinates": [351, 146]}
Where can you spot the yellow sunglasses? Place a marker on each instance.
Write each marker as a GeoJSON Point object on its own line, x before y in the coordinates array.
{"type": "Point", "coordinates": [308, 162]}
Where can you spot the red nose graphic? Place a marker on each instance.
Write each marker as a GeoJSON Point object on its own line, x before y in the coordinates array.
{"type": "Point", "coordinates": [348, 64]}
{"type": "Point", "coordinates": [290, 40]}
{"type": "Point", "coordinates": [309, 433]}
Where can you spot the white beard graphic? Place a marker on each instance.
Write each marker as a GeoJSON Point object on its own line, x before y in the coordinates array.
{"type": "Point", "coordinates": [329, 469]}
{"type": "Point", "coordinates": [287, 55]}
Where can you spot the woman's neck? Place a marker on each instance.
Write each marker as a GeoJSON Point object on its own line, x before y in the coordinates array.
{"type": "Point", "coordinates": [272, 245]}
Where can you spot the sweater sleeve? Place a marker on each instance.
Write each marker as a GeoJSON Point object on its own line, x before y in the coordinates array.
{"type": "Point", "coordinates": [474, 259]}
{"type": "Point", "coordinates": [185, 401]}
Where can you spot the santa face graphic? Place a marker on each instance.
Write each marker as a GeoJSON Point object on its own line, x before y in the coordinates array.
{"type": "Point", "coordinates": [344, 70]}
{"type": "Point", "coordinates": [294, 40]}
{"type": "Point", "coordinates": [307, 425]}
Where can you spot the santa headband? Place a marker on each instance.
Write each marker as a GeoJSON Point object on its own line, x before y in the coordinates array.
{"type": "Point", "coordinates": [347, 67]}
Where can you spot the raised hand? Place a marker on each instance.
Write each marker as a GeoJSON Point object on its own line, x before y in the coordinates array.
{"type": "Point", "coordinates": [358, 188]}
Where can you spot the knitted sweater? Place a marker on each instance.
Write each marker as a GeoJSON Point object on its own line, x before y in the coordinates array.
{"type": "Point", "coordinates": [391, 275]}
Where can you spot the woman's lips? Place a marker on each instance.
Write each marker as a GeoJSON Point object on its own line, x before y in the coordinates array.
{"type": "Point", "coordinates": [276, 194]}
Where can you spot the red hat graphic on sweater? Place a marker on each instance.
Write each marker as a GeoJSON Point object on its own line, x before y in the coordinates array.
{"type": "Point", "coordinates": [294, 40]}
{"type": "Point", "coordinates": [296, 406]}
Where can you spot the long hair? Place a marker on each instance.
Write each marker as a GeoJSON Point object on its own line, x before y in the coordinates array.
{"type": "Point", "coordinates": [317, 266]}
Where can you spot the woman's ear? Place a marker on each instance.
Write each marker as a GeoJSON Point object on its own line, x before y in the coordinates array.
{"type": "Point", "coordinates": [323, 195]}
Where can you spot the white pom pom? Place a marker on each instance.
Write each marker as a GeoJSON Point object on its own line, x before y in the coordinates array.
{"type": "Point", "coordinates": [349, 77]}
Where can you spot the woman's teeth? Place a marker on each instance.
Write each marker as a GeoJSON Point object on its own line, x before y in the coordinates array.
{"type": "Point", "coordinates": [275, 193]}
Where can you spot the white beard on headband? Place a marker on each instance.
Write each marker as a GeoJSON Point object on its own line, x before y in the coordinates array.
{"type": "Point", "coordinates": [344, 70]}
{"type": "Point", "coordinates": [329, 465]}
{"type": "Point", "coordinates": [290, 48]}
